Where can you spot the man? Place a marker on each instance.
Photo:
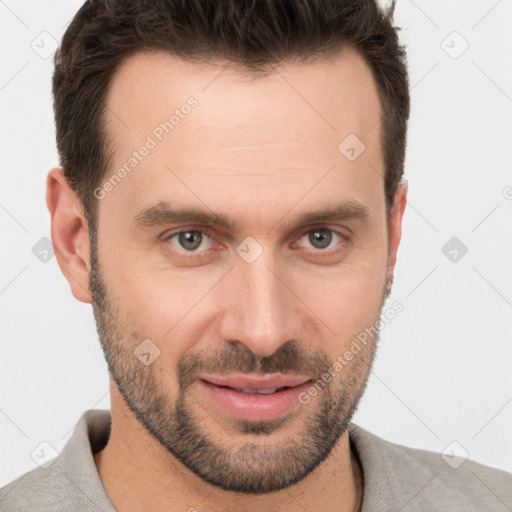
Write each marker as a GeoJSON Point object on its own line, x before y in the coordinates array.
{"type": "Point", "coordinates": [230, 202]}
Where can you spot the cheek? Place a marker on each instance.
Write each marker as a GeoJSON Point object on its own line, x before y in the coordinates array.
{"type": "Point", "coordinates": [167, 306]}
{"type": "Point", "coordinates": [346, 301]}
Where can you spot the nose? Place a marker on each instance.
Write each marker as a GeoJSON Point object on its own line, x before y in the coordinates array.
{"type": "Point", "coordinates": [260, 309]}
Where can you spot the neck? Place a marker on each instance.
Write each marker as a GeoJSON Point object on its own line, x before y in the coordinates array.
{"type": "Point", "coordinates": [136, 470]}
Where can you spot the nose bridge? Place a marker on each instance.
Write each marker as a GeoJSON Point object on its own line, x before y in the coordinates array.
{"type": "Point", "coordinates": [261, 310]}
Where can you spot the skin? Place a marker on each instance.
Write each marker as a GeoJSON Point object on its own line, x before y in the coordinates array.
{"type": "Point", "coordinates": [252, 150]}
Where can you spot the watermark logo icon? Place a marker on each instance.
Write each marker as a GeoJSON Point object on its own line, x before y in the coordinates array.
{"type": "Point", "coordinates": [146, 352]}
{"type": "Point", "coordinates": [43, 250]}
{"type": "Point", "coordinates": [249, 250]}
{"type": "Point", "coordinates": [454, 455]}
{"type": "Point", "coordinates": [351, 147]}
{"type": "Point", "coordinates": [455, 249]}
{"type": "Point", "coordinates": [454, 45]}
{"type": "Point", "coordinates": [44, 454]}
{"type": "Point", "coordinates": [44, 45]}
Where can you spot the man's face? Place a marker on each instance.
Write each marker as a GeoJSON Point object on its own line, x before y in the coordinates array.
{"type": "Point", "coordinates": [264, 295]}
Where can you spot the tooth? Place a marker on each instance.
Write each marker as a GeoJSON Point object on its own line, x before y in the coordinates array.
{"type": "Point", "coordinates": [260, 391]}
{"type": "Point", "coordinates": [267, 391]}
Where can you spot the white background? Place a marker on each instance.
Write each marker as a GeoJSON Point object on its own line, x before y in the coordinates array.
{"type": "Point", "coordinates": [443, 367]}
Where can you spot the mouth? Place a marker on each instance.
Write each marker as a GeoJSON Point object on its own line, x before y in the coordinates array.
{"type": "Point", "coordinates": [256, 398]}
{"type": "Point", "coordinates": [268, 391]}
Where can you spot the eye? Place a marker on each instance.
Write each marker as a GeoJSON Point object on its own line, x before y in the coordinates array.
{"type": "Point", "coordinates": [321, 238]}
{"type": "Point", "coordinates": [198, 241]}
{"type": "Point", "coordinates": [190, 240]}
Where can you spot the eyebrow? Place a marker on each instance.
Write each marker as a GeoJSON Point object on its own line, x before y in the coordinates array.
{"type": "Point", "coordinates": [164, 213]}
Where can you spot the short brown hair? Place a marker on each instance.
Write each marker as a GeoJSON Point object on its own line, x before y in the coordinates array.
{"type": "Point", "coordinates": [253, 34]}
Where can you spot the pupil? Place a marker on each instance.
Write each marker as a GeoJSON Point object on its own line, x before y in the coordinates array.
{"type": "Point", "coordinates": [190, 239]}
{"type": "Point", "coordinates": [320, 238]}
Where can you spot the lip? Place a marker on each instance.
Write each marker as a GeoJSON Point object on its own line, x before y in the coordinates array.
{"type": "Point", "coordinates": [255, 407]}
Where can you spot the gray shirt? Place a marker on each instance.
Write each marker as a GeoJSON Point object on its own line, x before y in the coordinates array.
{"type": "Point", "coordinates": [396, 478]}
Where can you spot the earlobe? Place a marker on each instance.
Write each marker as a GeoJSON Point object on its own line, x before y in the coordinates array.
{"type": "Point", "coordinates": [69, 232]}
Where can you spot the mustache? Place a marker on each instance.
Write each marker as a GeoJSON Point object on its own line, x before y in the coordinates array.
{"type": "Point", "coordinates": [290, 358]}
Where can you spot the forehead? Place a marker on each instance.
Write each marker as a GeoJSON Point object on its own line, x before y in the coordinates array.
{"type": "Point", "coordinates": [214, 129]}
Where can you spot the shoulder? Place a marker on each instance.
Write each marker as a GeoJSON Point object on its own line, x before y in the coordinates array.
{"type": "Point", "coordinates": [40, 489]}
{"type": "Point", "coordinates": [414, 479]}
{"type": "Point", "coordinates": [70, 481]}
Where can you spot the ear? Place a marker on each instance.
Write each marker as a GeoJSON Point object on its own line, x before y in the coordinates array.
{"type": "Point", "coordinates": [395, 228]}
{"type": "Point", "coordinates": [69, 232]}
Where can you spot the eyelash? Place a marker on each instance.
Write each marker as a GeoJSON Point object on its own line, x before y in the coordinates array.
{"type": "Point", "coordinates": [318, 252]}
